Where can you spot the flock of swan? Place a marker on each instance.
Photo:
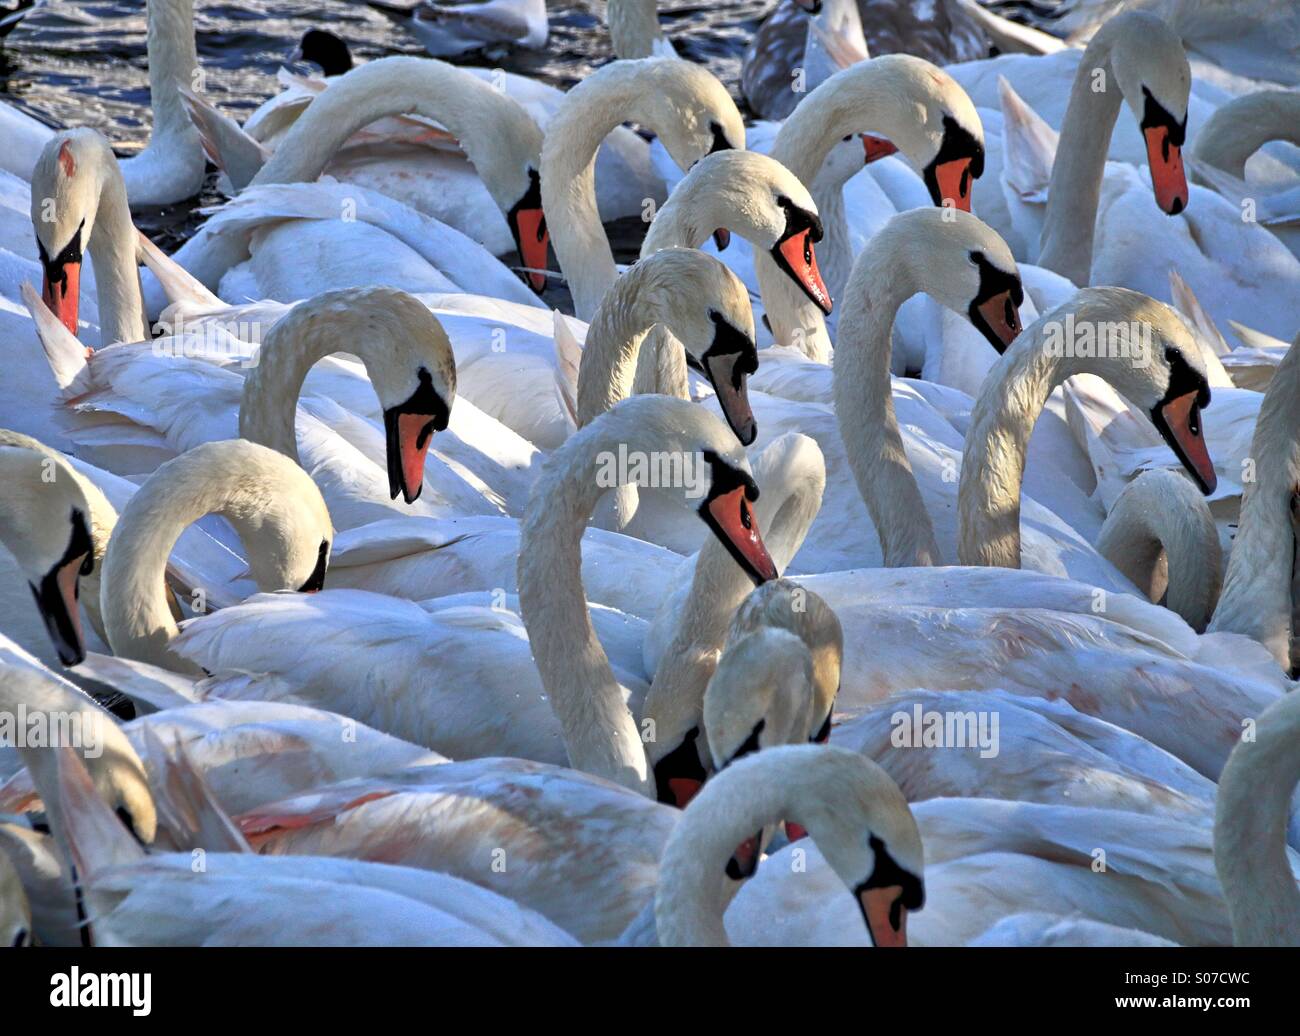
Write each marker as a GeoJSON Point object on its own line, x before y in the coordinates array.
{"type": "Point", "coordinates": [900, 551]}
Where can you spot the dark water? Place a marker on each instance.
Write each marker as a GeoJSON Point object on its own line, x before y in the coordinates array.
{"type": "Point", "coordinates": [82, 62]}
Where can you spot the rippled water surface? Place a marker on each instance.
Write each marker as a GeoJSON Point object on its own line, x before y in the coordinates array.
{"type": "Point", "coordinates": [80, 62]}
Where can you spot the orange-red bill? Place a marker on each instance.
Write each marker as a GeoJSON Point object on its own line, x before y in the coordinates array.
{"type": "Point", "coordinates": [533, 238]}
{"type": "Point", "coordinates": [881, 908]}
{"type": "Point", "coordinates": [801, 260]}
{"type": "Point", "coordinates": [795, 831]}
{"type": "Point", "coordinates": [414, 432]}
{"type": "Point", "coordinates": [735, 521]}
{"type": "Point", "coordinates": [1000, 314]}
{"type": "Point", "coordinates": [954, 182]}
{"type": "Point", "coordinates": [877, 147]}
{"type": "Point", "coordinates": [1181, 417]}
{"type": "Point", "coordinates": [67, 580]}
{"type": "Point", "coordinates": [744, 861]}
{"type": "Point", "coordinates": [1167, 174]}
{"type": "Point", "coordinates": [63, 297]}
{"type": "Point", "coordinates": [722, 238]}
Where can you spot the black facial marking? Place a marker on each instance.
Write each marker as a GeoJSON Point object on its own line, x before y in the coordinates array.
{"type": "Point", "coordinates": [56, 269]}
{"type": "Point", "coordinates": [824, 731]}
{"type": "Point", "coordinates": [1155, 114]}
{"type": "Point", "coordinates": [993, 282]}
{"type": "Point", "coordinates": [683, 762]}
{"type": "Point", "coordinates": [887, 873]}
{"type": "Point", "coordinates": [957, 143]}
{"type": "Point", "coordinates": [316, 580]}
{"type": "Point", "coordinates": [750, 745]}
{"type": "Point", "coordinates": [723, 478]}
{"type": "Point", "coordinates": [20, 938]}
{"type": "Point", "coordinates": [49, 599]}
{"type": "Point", "coordinates": [730, 341]}
{"type": "Point", "coordinates": [424, 400]}
{"type": "Point", "coordinates": [720, 141]}
{"type": "Point", "coordinates": [532, 199]}
{"type": "Point", "coordinates": [1182, 380]}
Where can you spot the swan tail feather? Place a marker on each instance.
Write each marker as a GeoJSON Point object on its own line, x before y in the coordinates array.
{"type": "Point", "coordinates": [224, 141]}
{"type": "Point", "coordinates": [185, 803]}
{"type": "Point", "coordinates": [65, 354]}
{"type": "Point", "coordinates": [1029, 146]}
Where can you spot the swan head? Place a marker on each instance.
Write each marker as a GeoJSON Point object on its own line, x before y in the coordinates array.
{"type": "Point", "coordinates": [66, 185]}
{"type": "Point", "coordinates": [758, 198]}
{"type": "Point", "coordinates": [707, 309]}
{"type": "Point", "coordinates": [761, 695]}
{"type": "Point", "coordinates": [274, 506]}
{"type": "Point", "coordinates": [328, 52]}
{"type": "Point", "coordinates": [700, 116]}
{"type": "Point", "coordinates": [784, 604]}
{"type": "Point", "coordinates": [868, 835]}
{"type": "Point", "coordinates": [941, 136]}
{"type": "Point", "coordinates": [45, 523]}
{"type": "Point", "coordinates": [1153, 74]}
{"type": "Point", "coordinates": [1145, 351]}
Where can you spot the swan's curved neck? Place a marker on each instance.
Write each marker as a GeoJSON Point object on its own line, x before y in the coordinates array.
{"type": "Point", "coordinates": [633, 27]}
{"type": "Point", "coordinates": [1162, 515]}
{"type": "Point", "coordinates": [864, 407]}
{"type": "Point", "coordinates": [138, 621]}
{"type": "Point", "coordinates": [173, 65]}
{"type": "Point", "coordinates": [1075, 187]}
{"type": "Point", "coordinates": [1241, 127]}
{"type": "Point", "coordinates": [112, 248]}
{"type": "Point", "coordinates": [269, 405]}
{"type": "Point", "coordinates": [1256, 597]}
{"type": "Point", "coordinates": [865, 98]}
{"type": "Point", "coordinates": [993, 461]}
{"type": "Point", "coordinates": [392, 86]}
{"type": "Point", "coordinates": [793, 482]}
{"type": "Point", "coordinates": [632, 92]}
{"type": "Point", "coordinates": [1251, 813]}
{"type": "Point", "coordinates": [599, 731]}
{"type": "Point", "coordinates": [610, 359]}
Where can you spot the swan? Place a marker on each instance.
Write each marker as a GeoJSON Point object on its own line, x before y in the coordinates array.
{"type": "Point", "coordinates": [854, 812]}
{"type": "Point", "coordinates": [242, 899]}
{"type": "Point", "coordinates": [325, 50]}
{"type": "Point", "coordinates": [171, 166]}
{"type": "Point", "coordinates": [273, 505]}
{"type": "Point", "coordinates": [497, 135]}
{"type": "Point", "coordinates": [1167, 383]}
{"type": "Point", "coordinates": [1161, 534]}
{"type": "Point", "coordinates": [1136, 245]}
{"type": "Point", "coordinates": [361, 455]}
{"type": "Point", "coordinates": [450, 29]}
{"type": "Point", "coordinates": [592, 884]}
{"type": "Point", "coordinates": [634, 30]}
{"type": "Point", "coordinates": [599, 731]}
{"type": "Point", "coordinates": [426, 702]}
{"type": "Point", "coordinates": [684, 104]}
{"type": "Point", "coordinates": [941, 33]}
{"type": "Point", "coordinates": [79, 205]}
{"type": "Point", "coordinates": [1257, 589]}
{"type": "Point", "coordinates": [923, 113]}
{"type": "Point", "coordinates": [45, 524]}
{"type": "Point", "coordinates": [1250, 821]}
{"type": "Point", "coordinates": [112, 768]}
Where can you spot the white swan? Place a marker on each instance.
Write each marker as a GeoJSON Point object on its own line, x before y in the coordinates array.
{"type": "Point", "coordinates": [854, 812]}
{"type": "Point", "coordinates": [1250, 851]}
{"type": "Point", "coordinates": [684, 104]}
{"type": "Point", "coordinates": [1160, 534]}
{"type": "Point", "coordinates": [274, 506]}
{"type": "Point", "coordinates": [45, 523]}
{"type": "Point", "coordinates": [925, 115]}
{"type": "Point", "coordinates": [171, 167]}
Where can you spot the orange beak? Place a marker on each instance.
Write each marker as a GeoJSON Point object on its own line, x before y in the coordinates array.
{"type": "Point", "coordinates": [735, 523]}
{"type": "Point", "coordinates": [800, 260]}
{"type": "Point", "coordinates": [1182, 424]}
{"type": "Point", "coordinates": [532, 237]}
{"type": "Point", "coordinates": [1167, 175]}
{"type": "Point", "coordinates": [954, 180]}
{"type": "Point", "coordinates": [886, 917]}
{"type": "Point", "coordinates": [63, 296]}
{"type": "Point", "coordinates": [414, 433]}
{"type": "Point", "coordinates": [1001, 317]}
{"type": "Point", "coordinates": [877, 147]}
